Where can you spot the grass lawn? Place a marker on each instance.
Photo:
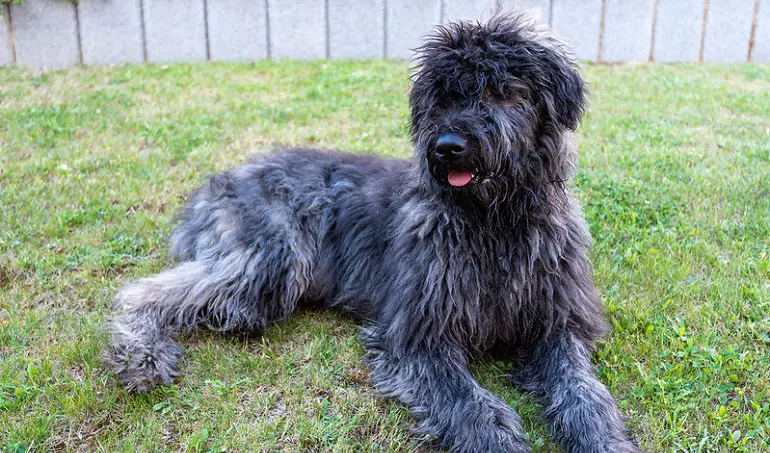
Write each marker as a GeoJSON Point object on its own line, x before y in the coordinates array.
{"type": "Point", "coordinates": [94, 163]}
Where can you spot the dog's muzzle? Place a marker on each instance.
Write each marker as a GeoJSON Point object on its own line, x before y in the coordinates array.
{"type": "Point", "coordinates": [450, 155]}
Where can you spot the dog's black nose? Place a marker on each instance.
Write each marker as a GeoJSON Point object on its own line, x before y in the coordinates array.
{"type": "Point", "coordinates": [450, 146]}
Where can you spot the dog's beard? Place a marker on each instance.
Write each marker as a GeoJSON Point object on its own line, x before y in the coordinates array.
{"type": "Point", "coordinates": [480, 189]}
{"type": "Point", "coordinates": [460, 175]}
{"type": "Point", "coordinates": [474, 168]}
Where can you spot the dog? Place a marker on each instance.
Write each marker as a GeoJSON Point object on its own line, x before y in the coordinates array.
{"type": "Point", "coordinates": [474, 246]}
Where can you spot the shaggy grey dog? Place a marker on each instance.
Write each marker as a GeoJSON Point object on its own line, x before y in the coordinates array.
{"type": "Point", "coordinates": [475, 245]}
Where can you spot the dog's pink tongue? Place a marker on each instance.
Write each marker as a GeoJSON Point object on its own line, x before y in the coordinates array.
{"type": "Point", "coordinates": [459, 178]}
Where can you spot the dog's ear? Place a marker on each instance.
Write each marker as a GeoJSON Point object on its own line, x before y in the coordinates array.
{"type": "Point", "coordinates": [562, 87]}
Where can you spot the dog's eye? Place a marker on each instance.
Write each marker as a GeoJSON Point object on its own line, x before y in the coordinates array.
{"type": "Point", "coordinates": [494, 96]}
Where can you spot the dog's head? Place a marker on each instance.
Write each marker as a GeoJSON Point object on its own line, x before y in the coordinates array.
{"type": "Point", "coordinates": [491, 102]}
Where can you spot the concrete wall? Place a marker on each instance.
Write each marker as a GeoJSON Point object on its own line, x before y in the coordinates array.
{"type": "Point", "coordinates": [728, 31]}
{"type": "Point", "coordinates": [584, 38]}
{"type": "Point", "coordinates": [45, 34]}
{"type": "Point", "coordinates": [297, 28]}
{"type": "Point", "coordinates": [678, 30]}
{"type": "Point", "coordinates": [627, 31]}
{"type": "Point", "coordinates": [174, 30]}
{"type": "Point", "coordinates": [55, 33]}
{"type": "Point", "coordinates": [237, 30]}
{"type": "Point", "coordinates": [111, 31]}
{"type": "Point", "coordinates": [356, 28]}
{"type": "Point", "coordinates": [6, 51]}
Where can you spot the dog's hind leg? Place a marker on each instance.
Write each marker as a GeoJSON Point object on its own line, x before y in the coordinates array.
{"type": "Point", "coordinates": [582, 413]}
{"type": "Point", "coordinates": [245, 262]}
{"type": "Point", "coordinates": [241, 290]}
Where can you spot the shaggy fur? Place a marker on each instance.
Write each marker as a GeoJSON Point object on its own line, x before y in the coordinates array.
{"type": "Point", "coordinates": [439, 274]}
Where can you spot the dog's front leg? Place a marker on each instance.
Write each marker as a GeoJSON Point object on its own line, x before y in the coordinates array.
{"type": "Point", "coordinates": [582, 413]}
{"type": "Point", "coordinates": [438, 388]}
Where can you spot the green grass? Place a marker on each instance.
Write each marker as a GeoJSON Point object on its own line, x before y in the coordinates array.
{"type": "Point", "coordinates": [94, 162]}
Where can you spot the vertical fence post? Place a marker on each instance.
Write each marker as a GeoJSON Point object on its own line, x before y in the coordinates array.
{"type": "Point", "coordinates": [760, 53]}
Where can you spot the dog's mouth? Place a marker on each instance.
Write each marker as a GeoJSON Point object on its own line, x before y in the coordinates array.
{"type": "Point", "coordinates": [459, 177]}
{"type": "Point", "coordinates": [461, 173]}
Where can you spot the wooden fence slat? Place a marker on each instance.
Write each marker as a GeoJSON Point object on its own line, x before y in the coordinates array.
{"type": "Point", "coordinates": [356, 28]}
{"type": "Point", "coordinates": [408, 22]}
{"type": "Point", "coordinates": [237, 29]}
{"type": "Point", "coordinates": [627, 30]}
{"type": "Point", "coordinates": [578, 22]}
{"type": "Point", "coordinates": [678, 30]}
{"type": "Point", "coordinates": [761, 51]}
{"type": "Point", "coordinates": [728, 29]}
{"type": "Point", "coordinates": [175, 30]}
{"type": "Point", "coordinates": [111, 31]}
{"type": "Point", "coordinates": [45, 33]}
{"type": "Point", "coordinates": [297, 29]}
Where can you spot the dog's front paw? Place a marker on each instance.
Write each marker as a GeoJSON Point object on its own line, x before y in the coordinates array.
{"type": "Point", "coordinates": [491, 441]}
{"type": "Point", "coordinates": [612, 446]}
{"type": "Point", "coordinates": [499, 433]}
{"type": "Point", "coordinates": [480, 429]}
{"type": "Point", "coordinates": [516, 446]}
{"type": "Point", "coordinates": [623, 446]}
{"type": "Point", "coordinates": [509, 442]}
{"type": "Point", "coordinates": [140, 369]}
